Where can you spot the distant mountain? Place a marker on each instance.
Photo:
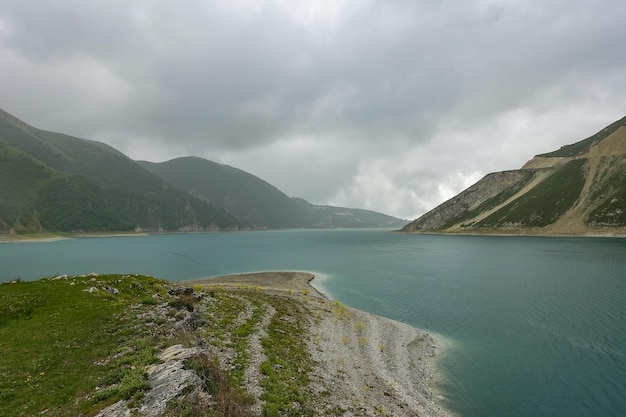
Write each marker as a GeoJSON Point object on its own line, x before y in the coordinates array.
{"type": "Point", "coordinates": [325, 216]}
{"type": "Point", "coordinates": [257, 202]}
{"type": "Point", "coordinates": [51, 182]}
{"type": "Point", "coordinates": [243, 195]}
{"type": "Point", "coordinates": [579, 189]}
{"type": "Point", "coordinates": [59, 183]}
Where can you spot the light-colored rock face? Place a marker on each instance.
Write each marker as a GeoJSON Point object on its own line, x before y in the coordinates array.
{"type": "Point", "coordinates": [167, 379]}
{"type": "Point", "coordinates": [488, 187]}
{"type": "Point", "coordinates": [614, 145]}
{"type": "Point", "coordinates": [542, 162]}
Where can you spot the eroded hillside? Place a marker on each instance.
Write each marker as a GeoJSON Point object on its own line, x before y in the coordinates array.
{"type": "Point", "coordinates": [577, 190]}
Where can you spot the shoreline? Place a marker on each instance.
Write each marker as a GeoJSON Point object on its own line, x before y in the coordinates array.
{"type": "Point", "coordinates": [365, 361]}
{"type": "Point", "coordinates": [49, 237]}
{"type": "Point", "coordinates": [500, 233]}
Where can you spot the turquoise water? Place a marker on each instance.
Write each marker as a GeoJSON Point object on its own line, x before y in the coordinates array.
{"type": "Point", "coordinates": [533, 326]}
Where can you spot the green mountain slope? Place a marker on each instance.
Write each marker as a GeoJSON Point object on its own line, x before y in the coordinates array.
{"type": "Point", "coordinates": [243, 195]}
{"type": "Point", "coordinates": [55, 182]}
{"type": "Point", "coordinates": [578, 190]}
{"type": "Point", "coordinates": [257, 202]}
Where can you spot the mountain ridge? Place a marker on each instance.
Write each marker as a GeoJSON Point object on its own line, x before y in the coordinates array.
{"type": "Point", "coordinates": [578, 190]}
{"type": "Point", "coordinates": [256, 201]}
{"type": "Point", "coordinates": [52, 182]}
{"type": "Point", "coordinates": [56, 183]}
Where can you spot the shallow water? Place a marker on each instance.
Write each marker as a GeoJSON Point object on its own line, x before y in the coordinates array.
{"type": "Point", "coordinates": [534, 326]}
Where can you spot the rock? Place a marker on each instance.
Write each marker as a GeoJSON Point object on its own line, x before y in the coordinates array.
{"type": "Point", "coordinates": [169, 379]}
{"type": "Point", "coordinates": [119, 409]}
{"type": "Point", "coordinates": [180, 291]}
{"type": "Point", "coordinates": [193, 321]}
{"type": "Point", "coordinates": [468, 200]}
{"type": "Point", "coordinates": [64, 276]}
{"type": "Point", "coordinates": [111, 290]}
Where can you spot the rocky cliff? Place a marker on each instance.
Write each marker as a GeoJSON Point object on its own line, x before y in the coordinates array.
{"type": "Point", "coordinates": [579, 189]}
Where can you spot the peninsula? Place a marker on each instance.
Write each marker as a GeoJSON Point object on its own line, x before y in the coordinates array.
{"type": "Point", "coordinates": [244, 345]}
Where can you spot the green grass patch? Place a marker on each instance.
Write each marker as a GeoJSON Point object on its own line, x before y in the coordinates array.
{"type": "Point", "coordinates": [546, 202]}
{"type": "Point", "coordinates": [72, 346]}
{"type": "Point", "coordinates": [610, 196]}
{"type": "Point", "coordinates": [60, 342]}
{"type": "Point", "coordinates": [490, 203]}
{"type": "Point", "coordinates": [288, 363]}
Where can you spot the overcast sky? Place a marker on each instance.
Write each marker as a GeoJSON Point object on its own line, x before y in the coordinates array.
{"type": "Point", "coordinates": [391, 105]}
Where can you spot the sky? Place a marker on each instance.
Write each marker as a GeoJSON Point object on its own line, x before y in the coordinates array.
{"type": "Point", "coordinates": [390, 105]}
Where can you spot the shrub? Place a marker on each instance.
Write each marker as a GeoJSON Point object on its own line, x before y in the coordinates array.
{"type": "Point", "coordinates": [228, 401]}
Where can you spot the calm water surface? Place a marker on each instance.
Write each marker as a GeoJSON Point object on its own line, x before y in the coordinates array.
{"type": "Point", "coordinates": [531, 326]}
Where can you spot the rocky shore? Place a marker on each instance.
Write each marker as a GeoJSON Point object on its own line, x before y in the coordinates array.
{"type": "Point", "coordinates": [367, 364]}
{"type": "Point", "coordinates": [361, 364]}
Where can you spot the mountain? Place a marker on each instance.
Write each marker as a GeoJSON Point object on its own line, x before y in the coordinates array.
{"type": "Point", "coordinates": [325, 216]}
{"type": "Point", "coordinates": [52, 182]}
{"type": "Point", "coordinates": [59, 183]}
{"type": "Point", "coordinates": [257, 202]}
{"type": "Point", "coordinates": [579, 189]}
{"type": "Point", "coordinates": [243, 195]}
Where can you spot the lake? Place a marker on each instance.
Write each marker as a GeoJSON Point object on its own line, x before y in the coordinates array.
{"type": "Point", "coordinates": [530, 326]}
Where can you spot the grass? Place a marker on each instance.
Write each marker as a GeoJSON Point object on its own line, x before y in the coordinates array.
{"type": "Point", "coordinates": [546, 202]}
{"type": "Point", "coordinates": [56, 339]}
{"type": "Point", "coordinates": [286, 368]}
{"type": "Point", "coordinates": [71, 348]}
{"type": "Point", "coordinates": [340, 312]}
{"type": "Point", "coordinates": [229, 402]}
{"type": "Point", "coordinates": [610, 196]}
{"type": "Point", "coordinates": [288, 363]}
{"type": "Point", "coordinates": [228, 328]}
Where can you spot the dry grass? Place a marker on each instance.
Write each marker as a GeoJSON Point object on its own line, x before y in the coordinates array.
{"type": "Point", "coordinates": [229, 402]}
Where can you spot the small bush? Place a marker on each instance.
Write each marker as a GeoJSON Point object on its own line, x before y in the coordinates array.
{"type": "Point", "coordinates": [184, 301]}
{"type": "Point", "coordinates": [229, 402]}
{"type": "Point", "coordinates": [149, 301]}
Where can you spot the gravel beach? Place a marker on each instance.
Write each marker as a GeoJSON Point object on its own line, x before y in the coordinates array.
{"type": "Point", "coordinates": [365, 364]}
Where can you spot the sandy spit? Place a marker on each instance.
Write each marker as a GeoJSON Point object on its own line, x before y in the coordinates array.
{"type": "Point", "coordinates": [366, 364]}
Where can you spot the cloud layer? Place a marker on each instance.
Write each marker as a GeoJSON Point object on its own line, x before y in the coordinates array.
{"type": "Point", "coordinates": [387, 105]}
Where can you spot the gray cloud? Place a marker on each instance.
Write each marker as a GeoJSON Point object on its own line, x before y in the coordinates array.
{"type": "Point", "coordinates": [388, 105]}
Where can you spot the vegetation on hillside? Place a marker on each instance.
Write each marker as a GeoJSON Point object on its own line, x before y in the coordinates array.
{"type": "Point", "coordinates": [245, 196]}
{"type": "Point", "coordinates": [486, 205]}
{"type": "Point", "coordinates": [573, 191]}
{"type": "Point", "coordinates": [66, 339]}
{"type": "Point", "coordinates": [256, 202]}
{"type": "Point", "coordinates": [52, 182]}
{"type": "Point", "coordinates": [55, 182]}
{"type": "Point", "coordinates": [612, 196]}
{"type": "Point", "coordinates": [545, 203]}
